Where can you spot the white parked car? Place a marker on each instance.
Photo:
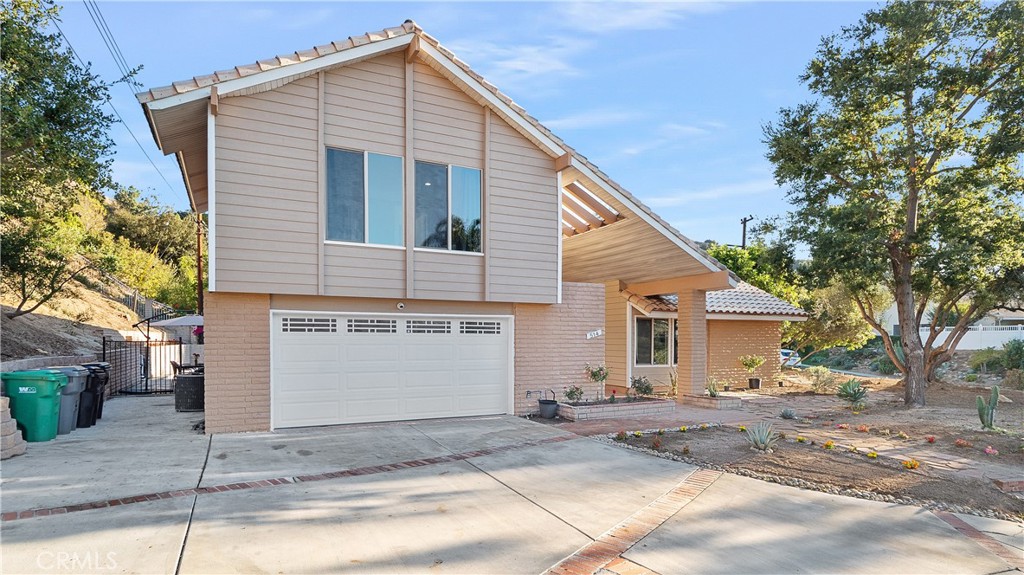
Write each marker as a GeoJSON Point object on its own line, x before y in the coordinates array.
{"type": "Point", "coordinates": [788, 357]}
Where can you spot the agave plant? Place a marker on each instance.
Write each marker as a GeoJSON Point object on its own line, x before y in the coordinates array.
{"type": "Point", "coordinates": [762, 436]}
{"type": "Point", "coordinates": [788, 413]}
{"type": "Point", "coordinates": [712, 387]}
{"type": "Point", "coordinates": [852, 392]}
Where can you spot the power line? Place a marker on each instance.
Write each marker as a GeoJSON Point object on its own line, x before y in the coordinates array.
{"type": "Point", "coordinates": [118, 114]}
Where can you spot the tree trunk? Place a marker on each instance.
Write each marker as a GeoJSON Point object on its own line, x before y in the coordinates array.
{"type": "Point", "coordinates": [916, 374]}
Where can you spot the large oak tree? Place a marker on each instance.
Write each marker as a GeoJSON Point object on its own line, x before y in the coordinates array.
{"type": "Point", "coordinates": [905, 170]}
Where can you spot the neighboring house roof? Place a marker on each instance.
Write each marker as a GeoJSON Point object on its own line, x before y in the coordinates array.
{"type": "Point", "coordinates": [744, 300]}
{"type": "Point", "coordinates": [199, 87]}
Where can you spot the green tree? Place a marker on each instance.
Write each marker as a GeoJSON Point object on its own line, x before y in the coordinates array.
{"type": "Point", "coordinates": [53, 149]}
{"type": "Point", "coordinates": [905, 169]}
{"type": "Point", "coordinates": [768, 267]}
{"type": "Point", "coordinates": [834, 320]}
{"type": "Point", "coordinates": [150, 226]}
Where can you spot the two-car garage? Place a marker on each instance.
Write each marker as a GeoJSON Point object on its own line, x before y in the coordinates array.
{"type": "Point", "coordinates": [334, 368]}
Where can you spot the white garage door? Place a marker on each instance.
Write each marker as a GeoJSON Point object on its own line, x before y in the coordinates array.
{"type": "Point", "coordinates": [330, 368]}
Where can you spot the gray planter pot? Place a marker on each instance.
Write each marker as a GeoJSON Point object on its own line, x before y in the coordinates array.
{"type": "Point", "coordinates": [548, 408]}
{"type": "Point", "coordinates": [754, 383]}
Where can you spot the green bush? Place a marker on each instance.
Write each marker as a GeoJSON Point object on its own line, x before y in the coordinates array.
{"type": "Point", "coordinates": [841, 362]}
{"type": "Point", "coordinates": [642, 385]}
{"type": "Point", "coordinates": [1013, 354]}
{"type": "Point", "coordinates": [884, 365]}
{"type": "Point", "coordinates": [822, 379]}
{"type": "Point", "coordinates": [1014, 378]}
{"type": "Point", "coordinates": [988, 359]}
{"type": "Point", "coordinates": [971, 377]}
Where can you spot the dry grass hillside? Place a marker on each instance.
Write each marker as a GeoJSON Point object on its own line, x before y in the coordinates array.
{"type": "Point", "coordinates": [71, 325]}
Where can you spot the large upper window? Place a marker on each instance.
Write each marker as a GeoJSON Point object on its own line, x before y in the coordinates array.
{"type": "Point", "coordinates": [448, 207]}
{"type": "Point", "coordinates": [652, 337]}
{"type": "Point", "coordinates": [364, 197]}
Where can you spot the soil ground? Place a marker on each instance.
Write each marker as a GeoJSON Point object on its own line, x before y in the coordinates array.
{"type": "Point", "coordinates": [73, 324]}
{"type": "Point", "coordinates": [948, 473]}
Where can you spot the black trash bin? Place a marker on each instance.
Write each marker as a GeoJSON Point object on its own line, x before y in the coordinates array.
{"type": "Point", "coordinates": [89, 405]}
{"type": "Point", "coordinates": [189, 392]}
{"type": "Point", "coordinates": [101, 372]}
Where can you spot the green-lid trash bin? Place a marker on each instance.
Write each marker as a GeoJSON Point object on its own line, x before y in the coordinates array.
{"type": "Point", "coordinates": [35, 401]}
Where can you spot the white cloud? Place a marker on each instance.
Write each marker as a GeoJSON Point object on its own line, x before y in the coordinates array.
{"type": "Point", "coordinates": [672, 133]}
{"type": "Point", "coordinates": [592, 119]}
{"type": "Point", "coordinates": [603, 17]}
{"type": "Point", "coordinates": [735, 190]}
{"type": "Point", "coordinates": [514, 67]}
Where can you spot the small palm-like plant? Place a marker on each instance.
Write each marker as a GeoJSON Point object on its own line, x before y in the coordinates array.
{"type": "Point", "coordinates": [987, 411]}
{"type": "Point", "coordinates": [762, 437]}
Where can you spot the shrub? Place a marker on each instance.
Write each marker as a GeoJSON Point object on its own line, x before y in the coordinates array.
{"type": "Point", "coordinates": [971, 377]}
{"type": "Point", "coordinates": [852, 392]}
{"type": "Point", "coordinates": [1014, 378]}
{"type": "Point", "coordinates": [620, 436]}
{"type": "Point", "coordinates": [1013, 354]}
{"type": "Point", "coordinates": [822, 379]}
{"type": "Point", "coordinates": [762, 437]}
{"type": "Point", "coordinates": [884, 365]}
{"type": "Point", "coordinates": [841, 362]}
{"type": "Point", "coordinates": [656, 443]}
{"type": "Point", "coordinates": [788, 414]}
{"type": "Point", "coordinates": [751, 362]}
{"type": "Point", "coordinates": [573, 393]}
{"type": "Point", "coordinates": [642, 385]}
{"type": "Point", "coordinates": [988, 359]}
{"type": "Point", "coordinates": [597, 374]}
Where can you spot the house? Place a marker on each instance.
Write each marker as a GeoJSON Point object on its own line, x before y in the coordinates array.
{"type": "Point", "coordinates": [994, 329]}
{"type": "Point", "coordinates": [392, 238]}
{"type": "Point", "coordinates": [741, 321]}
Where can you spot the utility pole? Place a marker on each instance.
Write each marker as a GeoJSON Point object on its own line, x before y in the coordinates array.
{"type": "Point", "coordinates": [744, 222]}
{"type": "Point", "coordinates": [199, 263]}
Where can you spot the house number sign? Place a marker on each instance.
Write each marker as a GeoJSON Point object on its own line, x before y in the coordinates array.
{"type": "Point", "coordinates": [595, 333]}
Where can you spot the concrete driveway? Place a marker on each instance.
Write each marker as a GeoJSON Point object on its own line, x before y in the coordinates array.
{"type": "Point", "coordinates": [142, 493]}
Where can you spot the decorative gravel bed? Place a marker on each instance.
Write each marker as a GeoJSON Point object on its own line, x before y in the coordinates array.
{"type": "Point", "coordinates": [805, 466]}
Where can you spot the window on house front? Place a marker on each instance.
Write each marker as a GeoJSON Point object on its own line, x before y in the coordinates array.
{"type": "Point", "coordinates": [652, 336]}
{"type": "Point", "coordinates": [364, 197]}
{"type": "Point", "coordinates": [448, 209]}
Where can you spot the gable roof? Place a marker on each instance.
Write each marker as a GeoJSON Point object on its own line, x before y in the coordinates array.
{"type": "Point", "coordinates": [289, 67]}
{"type": "Point", "coordinates": [744, 300]}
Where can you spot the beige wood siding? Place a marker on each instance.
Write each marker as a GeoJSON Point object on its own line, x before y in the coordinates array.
{"type": "Point", "coordinates": [364, 106]}
{"type": "Point", "coordinates": [269, 213]}
{"type": "Point", "coordinates": [454, 276]}
{"type": "Point", "coordinates": [616, 338]}
{"type": "Point", "coordinates": [352, 270]}
{"type": "Point", "coordinates": [523, 223]}
{"type": "Point", "coordinates": [266, 191]}
{"type": "Point", "coordinates": [449, 125]}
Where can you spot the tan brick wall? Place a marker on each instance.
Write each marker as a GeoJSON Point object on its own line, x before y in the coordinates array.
{"type": "Point", "coordinates": [692, 341]}
{"type": "Point", "coordinates": [729, 339]}
{"type": "Point", "coordinates": [551, 344]}
{"type": "Point", "coordinates": [237, 362]}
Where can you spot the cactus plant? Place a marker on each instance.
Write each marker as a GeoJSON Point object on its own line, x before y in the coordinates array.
{"type": "Point", "coordinates": [712, 387]}
{"type": "Point", "coordinates": [987, 411]}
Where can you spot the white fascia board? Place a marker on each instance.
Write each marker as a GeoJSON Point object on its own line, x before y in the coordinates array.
{"type": "Point", "coordinates": [309, 66]}
{"type": "Point", "coordinates": [552, 147]}
{"type": "Point", "coordinates": [752, 317]}
{"type": "Point", "coordinates": [583, 168]}
{"type": "Point", "coordinates": [211, 200]}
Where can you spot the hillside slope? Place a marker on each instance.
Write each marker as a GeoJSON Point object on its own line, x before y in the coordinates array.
{"type": "Point", "coordinates": [70, 325]}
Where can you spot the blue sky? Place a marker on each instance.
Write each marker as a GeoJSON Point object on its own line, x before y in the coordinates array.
{"type": "Point", "coordinates": [666, 98]}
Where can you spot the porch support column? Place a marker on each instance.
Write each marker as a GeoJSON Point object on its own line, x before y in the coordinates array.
{"type": "Point", "coordinates": [693, 343]}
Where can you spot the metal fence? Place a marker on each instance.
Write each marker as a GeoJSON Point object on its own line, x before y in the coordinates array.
{"type": "Point", "coordinates": [141, 367]}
